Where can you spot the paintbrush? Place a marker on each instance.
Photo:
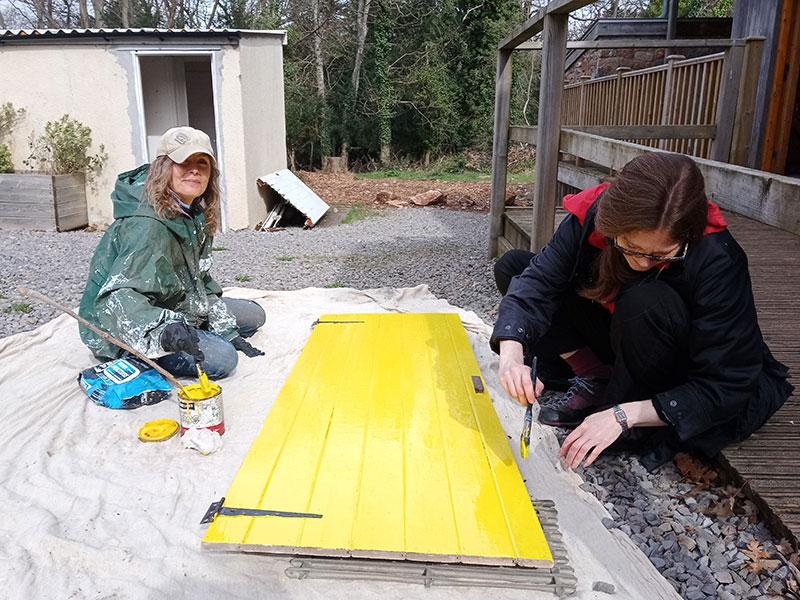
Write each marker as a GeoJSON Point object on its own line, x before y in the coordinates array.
{"type": "Point", "coordinates": [525, 436]}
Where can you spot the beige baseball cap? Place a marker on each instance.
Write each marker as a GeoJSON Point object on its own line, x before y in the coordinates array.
{"type": "Point", "coordinates": [179, 143]}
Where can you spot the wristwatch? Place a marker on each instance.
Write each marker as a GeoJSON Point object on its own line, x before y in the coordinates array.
{"type": "Point", "coordinates": [621, 417]}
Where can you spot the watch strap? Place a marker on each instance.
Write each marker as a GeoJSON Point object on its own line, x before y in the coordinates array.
{"type": "Point", "coordinates": [621, 417]}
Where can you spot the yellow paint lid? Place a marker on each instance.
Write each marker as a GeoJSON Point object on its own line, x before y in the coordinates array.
{"type": "Point", "coordinates": [159, 430]}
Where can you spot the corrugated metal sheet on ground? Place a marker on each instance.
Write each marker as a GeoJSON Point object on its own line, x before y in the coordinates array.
{"type": "Point", "coordinates": [380, 429]}
{"type": "Point", "coordinates": [297, 193]}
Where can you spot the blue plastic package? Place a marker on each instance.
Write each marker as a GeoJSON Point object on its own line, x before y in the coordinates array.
{"type": "Point", "coordinates": [124, 383]}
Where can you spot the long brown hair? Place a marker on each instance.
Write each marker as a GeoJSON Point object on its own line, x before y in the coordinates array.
{"type": "Point", "coordinates": [654, 191]}
{"type": "Point", "coordinates": [162, 199]}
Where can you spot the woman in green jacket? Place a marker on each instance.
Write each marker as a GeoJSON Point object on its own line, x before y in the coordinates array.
{"type": "Point", "coordinates": [149, 282]}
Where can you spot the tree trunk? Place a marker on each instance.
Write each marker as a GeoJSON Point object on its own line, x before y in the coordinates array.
{"type": "Point", "coordinates": [99, 22]}
{"type": "Point", "coordinates": [383, 85]}
{"type": "Point", "coordinates": [125, 7]}
{"type": "Point", "coordinates": [84, 14]}
{"type": "Point", "coordinates": [319, 63]}
{"type": "Point", "coordinates": [362, 20]}
{"type": "Point", "coordinates": [345, 155]}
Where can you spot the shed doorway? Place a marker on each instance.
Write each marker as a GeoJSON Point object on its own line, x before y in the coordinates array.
{"type": "Point", "coordinates": [176, 90]}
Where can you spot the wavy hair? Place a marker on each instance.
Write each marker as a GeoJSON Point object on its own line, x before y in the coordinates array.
{"type": "Point", "coordinates": [162, 198]}
{"type": "Point", "coordinates": [656, 191]}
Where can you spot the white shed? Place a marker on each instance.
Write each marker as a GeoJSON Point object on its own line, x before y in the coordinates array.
{"type": "Point", "coordinates": [130, 85]}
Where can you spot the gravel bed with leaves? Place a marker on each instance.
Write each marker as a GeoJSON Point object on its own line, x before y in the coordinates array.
{"type": "Point", "coordinates": [704, 537]}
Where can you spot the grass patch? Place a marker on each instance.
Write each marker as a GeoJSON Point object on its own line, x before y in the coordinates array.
{"type": "Point", "coordinates": [2, 296]}
{"type": "Point", "coordinates": [357, 213]}
{"type": "Point", "coordinates": [243, 277]}
{"type": "Point", "coordinates": [218, 248]}
{"type": "Point", "coordinates": [20, 307]}
{"type": "Point", "coordinates": [335, 284]}
{"type": "Point", "coordinates": [286, 258]}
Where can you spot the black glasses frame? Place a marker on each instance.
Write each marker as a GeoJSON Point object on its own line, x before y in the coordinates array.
{"type": "Point", "coordinates": [678, 257]}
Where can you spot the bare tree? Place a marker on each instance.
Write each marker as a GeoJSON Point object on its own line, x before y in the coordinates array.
{"type": "Point", "coordinates": [362, 16]}
{"type": "Point", "coordinates": [125, 7]}
{"type": "Point", "coordinates": [99, 22]}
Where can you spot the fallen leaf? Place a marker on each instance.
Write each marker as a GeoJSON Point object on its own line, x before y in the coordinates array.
{"type": "Point", "coordinates": [759, 558]}
{"type": "Point", "coordinates": [785, 547]}
{"type": "Point", "coordinates": [692, 469]}
{"type": "Point", "coordinates": [723, 508]}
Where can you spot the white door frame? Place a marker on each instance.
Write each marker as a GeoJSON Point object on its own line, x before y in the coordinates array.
{"type": "Point", "coordinates": [216, 89]}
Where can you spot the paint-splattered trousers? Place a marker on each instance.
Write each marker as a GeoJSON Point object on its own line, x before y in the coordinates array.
{"type": "Point", "coordinates": [221, 357]}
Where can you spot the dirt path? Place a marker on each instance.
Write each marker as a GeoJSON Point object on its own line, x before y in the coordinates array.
{"type": "Point", "coordinates": [346, 189]}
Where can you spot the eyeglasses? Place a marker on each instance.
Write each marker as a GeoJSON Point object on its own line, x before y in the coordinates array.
{"type": "Point", "coordinates": [652, 257]}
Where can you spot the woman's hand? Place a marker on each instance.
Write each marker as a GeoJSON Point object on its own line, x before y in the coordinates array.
{"type": "Point", "coordinates": [515, 376]}
{"type": "Point", "coordinates": [597, 432]}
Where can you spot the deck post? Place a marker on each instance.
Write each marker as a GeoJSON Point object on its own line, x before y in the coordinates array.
{"type": "Point", "coordinates": [502, 117]}
{"type": "Point", "coordinates": [582, 112]}
{"type": "Point", "coordinates": [746, 106]}
{"type": "Point", "coordinates": [728, 99]}
{"type": "Point", "coordinates": [545, 183]}
{"type": "Point", "coordinates": [666, 103]}
{"type": "Point", "coordinates": [617, 113]}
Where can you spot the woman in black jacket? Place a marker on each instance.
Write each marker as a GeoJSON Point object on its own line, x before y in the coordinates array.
{"type": "Point", "coordinates": [646, 296]}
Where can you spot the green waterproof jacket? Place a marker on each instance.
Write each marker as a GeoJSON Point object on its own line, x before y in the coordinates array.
{"type": "Point", "coordinates": [147, 272]}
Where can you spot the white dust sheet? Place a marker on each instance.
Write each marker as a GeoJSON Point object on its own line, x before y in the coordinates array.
{"type": "Point", "coordinates": [89, 511]}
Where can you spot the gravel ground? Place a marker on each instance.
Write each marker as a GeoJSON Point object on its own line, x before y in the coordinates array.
{"type": "Point", "coordinates": [706, 539]}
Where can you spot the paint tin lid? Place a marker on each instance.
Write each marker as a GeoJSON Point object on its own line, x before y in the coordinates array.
{"type": "Point", "coordinates": [159, 430]}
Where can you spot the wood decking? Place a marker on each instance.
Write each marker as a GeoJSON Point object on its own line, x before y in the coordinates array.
{"type": "Point", "coordinates": [768, 463]}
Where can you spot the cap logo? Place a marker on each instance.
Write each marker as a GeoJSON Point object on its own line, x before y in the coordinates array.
{"type": "Point", "coordinates": [181, 138]}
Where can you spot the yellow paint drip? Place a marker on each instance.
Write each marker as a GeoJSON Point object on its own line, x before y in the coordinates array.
{"type": "Point", "coordinates": [204, 383]}
{"type": "Point", "coordinates": [381, 428]}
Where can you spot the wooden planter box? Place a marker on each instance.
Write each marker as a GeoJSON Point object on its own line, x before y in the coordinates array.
{"type": "Point", "coordinates": [44, 202]}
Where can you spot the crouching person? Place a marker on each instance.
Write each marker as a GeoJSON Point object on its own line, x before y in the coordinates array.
{"type": "Point", "coordinates": [642, 302]}
{"type": "Point", "coordinates": [149, 283]}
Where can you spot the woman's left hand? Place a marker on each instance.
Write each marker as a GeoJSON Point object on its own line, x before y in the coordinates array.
{"type": "Point", "coordinates": [597, 432]}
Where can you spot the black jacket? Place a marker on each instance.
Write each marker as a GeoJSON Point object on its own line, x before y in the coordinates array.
{"type": "Point", "coordinates": [734, 383]}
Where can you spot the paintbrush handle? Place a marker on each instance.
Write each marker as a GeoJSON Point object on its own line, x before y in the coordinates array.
{"type": "Point", "coordinates": [108, 337]}
{"type": "Point", "coordinates": [534, 374]}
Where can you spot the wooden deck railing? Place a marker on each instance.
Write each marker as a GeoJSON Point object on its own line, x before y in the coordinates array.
{"type": "Point", "coordinates": [680, 92]}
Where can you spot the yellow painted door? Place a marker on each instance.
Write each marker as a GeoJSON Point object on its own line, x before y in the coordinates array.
{"type": "Point", "coordinates": [379, 428]}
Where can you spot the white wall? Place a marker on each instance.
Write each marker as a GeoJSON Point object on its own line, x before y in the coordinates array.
{"type": "Point", "coordinates": [88, 83]}
{"type": "Point", "coordinates": [253, 122]}
{"type": "Point", "coordinates": [264, 114]}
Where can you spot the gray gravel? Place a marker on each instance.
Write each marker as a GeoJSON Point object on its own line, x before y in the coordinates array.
{"type": "Point", "coordinates": [397, 248]}
{"type": "Point", "coordinates": [701, 555]}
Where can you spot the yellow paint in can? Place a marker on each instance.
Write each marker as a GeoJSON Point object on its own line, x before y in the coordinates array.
{"type": "Point", "coordinates": [201, 407]}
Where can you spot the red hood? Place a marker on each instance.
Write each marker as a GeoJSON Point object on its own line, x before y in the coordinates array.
{"type": "Point", "coordinates": [578, 204]}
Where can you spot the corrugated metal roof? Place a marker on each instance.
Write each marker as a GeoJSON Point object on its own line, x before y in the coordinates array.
{"type": "Point", "coordinates": [31, 34]}
{"type": "Point", "coordinates": [384, 427]}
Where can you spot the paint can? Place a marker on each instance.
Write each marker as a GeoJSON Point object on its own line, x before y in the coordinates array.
{"type": "Point", "coordinates": [201, 408]}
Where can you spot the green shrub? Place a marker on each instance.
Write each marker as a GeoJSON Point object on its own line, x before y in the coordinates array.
{"type": "Point", "coordinates": [9, 116]}
{"type": "Point", "coordinates": [63, 149]}
{"type": "Point", "coordinates": [6, 166]}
